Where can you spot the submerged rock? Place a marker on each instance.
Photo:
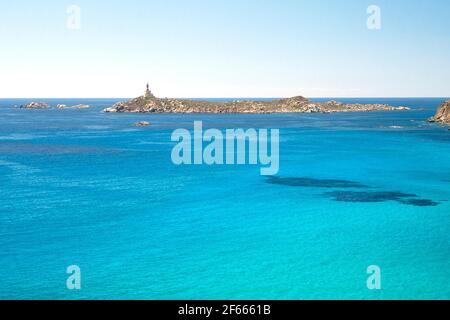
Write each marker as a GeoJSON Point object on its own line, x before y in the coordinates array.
{"type": "Point", "coordinates": [442, 114]}
{"type": "Point", "coordinates": [380, 196]}
{"type": "Point", "coordinates": [35, 105]}
{"type": "Point", "coordinates": [151, 104]}
{"type": "Point", "coordinates": [306, 182]}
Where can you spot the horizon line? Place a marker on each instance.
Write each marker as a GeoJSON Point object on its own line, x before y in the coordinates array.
{"type": "Point", "coordinates": [237, 97]}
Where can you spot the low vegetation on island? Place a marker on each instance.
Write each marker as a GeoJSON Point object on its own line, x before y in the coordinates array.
{"type": "Point", "coordinates": [148, 103]}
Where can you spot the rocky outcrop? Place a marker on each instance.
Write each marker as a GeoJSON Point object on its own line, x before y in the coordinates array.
{"type": "Point", "coordinates": [151, 104]}
{"type": "Point", "coordinates": [35, 105]}
{"type": "Point", "coordinates": [78, 106]}
{"type": "Point", "coordinates": [442, 114]}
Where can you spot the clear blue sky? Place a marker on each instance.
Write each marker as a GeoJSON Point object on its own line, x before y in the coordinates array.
{"type": "Point", "coordinates": [225, 48]}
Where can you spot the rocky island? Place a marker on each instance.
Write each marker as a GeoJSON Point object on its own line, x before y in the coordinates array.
{"type": "Point", "coordinates": [148, 103]}
{"type": "Point", "coordinates": [442, 114]}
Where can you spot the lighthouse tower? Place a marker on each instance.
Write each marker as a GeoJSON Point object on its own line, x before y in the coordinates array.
{"type": "Point", "coordinates": [148, 93]}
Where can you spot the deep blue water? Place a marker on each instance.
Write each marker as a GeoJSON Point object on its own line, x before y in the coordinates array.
{"type": "Point", "coordinates": [79, 187]}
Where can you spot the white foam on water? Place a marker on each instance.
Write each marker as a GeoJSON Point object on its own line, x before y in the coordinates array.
{"type": "Point", "coordinates": [20, 136]}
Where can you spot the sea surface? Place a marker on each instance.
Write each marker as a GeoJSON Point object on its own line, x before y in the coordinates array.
{"type": "Point", "coordinates": [79, 187]}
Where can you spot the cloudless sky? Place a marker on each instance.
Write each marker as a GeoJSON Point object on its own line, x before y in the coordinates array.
{"type": "Point", "coordinates": [224, 48]}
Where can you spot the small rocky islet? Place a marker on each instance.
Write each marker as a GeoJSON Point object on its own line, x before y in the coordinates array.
{"type": "Point", "coordinates": [43, 105]}
{"type": "Point", "coordinates": [148, 103]}
{"type": "Point", "coordinates": [35, 105]}
{"type": "Point", "coordinates": [142, 124]}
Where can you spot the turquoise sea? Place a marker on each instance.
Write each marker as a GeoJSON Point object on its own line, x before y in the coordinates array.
{"type": "Point", "coordinates": [79, 187]}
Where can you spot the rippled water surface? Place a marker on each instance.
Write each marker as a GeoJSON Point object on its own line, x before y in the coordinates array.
{"type": "Point", "coordinates": [79, 187]}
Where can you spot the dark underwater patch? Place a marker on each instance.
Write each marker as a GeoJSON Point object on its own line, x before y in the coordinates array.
{"type": "Point", "coordinates": [353, 196]}
{"type": "Point", "coordinates": [49, 149]}
{"type": "Point", "coordinates": [374, 197]}
{"type": "Point", "coordinates": [420, 202]}
{"type": "Point", "coordinates": [314, 183]}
